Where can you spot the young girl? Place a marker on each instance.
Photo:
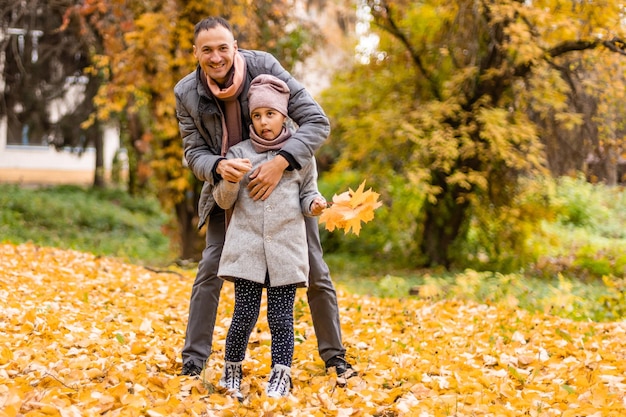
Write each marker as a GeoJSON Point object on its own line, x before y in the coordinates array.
{"type": "Point", "coordinates": [266, 244]}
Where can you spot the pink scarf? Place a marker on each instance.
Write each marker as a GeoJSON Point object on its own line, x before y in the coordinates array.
{"type": "Point", "coordinates": [231, 122]}
{"type": "Point", "coordinates": [263, 145]}
{"type": "Point", "coordinates": [231, 119]}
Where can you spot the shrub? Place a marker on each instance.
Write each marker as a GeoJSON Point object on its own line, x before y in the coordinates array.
{"type": "Point", "coordinates": [108, 222]}
{"type": "Point", "coordinates": [613, 302]}
{"type": "Point", "coordinates": [390, 237]}
{"type": "Point", "coordinates": [504, 238]}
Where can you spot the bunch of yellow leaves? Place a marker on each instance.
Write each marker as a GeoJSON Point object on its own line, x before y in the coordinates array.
{"type": "Point", "coordinates": [349, 209]}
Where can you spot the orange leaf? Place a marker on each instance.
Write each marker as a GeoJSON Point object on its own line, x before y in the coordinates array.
{"type": "Point", "coordinates": [349, 209]}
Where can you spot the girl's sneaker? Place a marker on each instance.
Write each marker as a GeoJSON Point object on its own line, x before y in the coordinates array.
{"type": "Point", "coordinates": [279, 382]}
{"type": "Point", "coordinates": [231, 379]}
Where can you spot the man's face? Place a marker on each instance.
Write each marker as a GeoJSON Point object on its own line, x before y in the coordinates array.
{"type": "Point", "coordinates": [215, 51]}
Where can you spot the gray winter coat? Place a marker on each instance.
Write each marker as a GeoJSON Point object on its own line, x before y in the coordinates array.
{"type": "Point", "coordinates": [267, 236]}
{"type": "Point", "coordinates": [199, 120]}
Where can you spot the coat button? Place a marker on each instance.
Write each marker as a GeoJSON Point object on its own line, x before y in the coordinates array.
{"type": "Point", "coordinates": [268, 239]}
{"type": "Point", "coordinates": [268, 208]}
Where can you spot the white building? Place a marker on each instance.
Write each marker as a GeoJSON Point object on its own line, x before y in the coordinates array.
{"type": "Point", "coordinates": [44, 165]}
{"type": "Point", "coordinates": [26, 163]}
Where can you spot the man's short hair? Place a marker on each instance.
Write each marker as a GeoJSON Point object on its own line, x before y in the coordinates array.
{"type": "Point", "coordinates": [211, 23]}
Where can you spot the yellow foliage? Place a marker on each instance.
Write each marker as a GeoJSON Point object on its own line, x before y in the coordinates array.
{"type": "Point", "coordinates": [61, 313]}
{"type": "Point", "coordinates": [349, 209]}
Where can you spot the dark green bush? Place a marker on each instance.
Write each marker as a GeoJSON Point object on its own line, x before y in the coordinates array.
{"type": "Point", "coordinates": [390, 236]}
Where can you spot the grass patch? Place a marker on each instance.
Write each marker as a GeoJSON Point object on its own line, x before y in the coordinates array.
{"type": "Point", "coordinates": [580, 274]}
{"type": "Point", "coordinates": [569, 297]}
{"type": "Point", "coordinates": [105, 222]}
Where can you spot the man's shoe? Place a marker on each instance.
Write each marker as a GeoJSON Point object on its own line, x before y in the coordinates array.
{"type": "Point", "coordinates": [341, 367]}
{"type": "Point", "coordinates": [191, 369]}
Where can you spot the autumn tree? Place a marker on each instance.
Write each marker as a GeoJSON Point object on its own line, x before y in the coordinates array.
{"type": "Point", "coordinates": [609, 89]}
{"type": "Point", "coordinates": [448, 103]}
{"type": "Point", "coordinates": [595, 92]}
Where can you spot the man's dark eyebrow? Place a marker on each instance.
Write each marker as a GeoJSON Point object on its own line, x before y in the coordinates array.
{"type": "Point", "coordinates": [218, 46]}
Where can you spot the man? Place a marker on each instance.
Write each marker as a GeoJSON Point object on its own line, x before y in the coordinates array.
{"type": "Point", "coordinates": [213, 114]}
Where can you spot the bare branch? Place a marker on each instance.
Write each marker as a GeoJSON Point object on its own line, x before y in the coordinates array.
{"type": "Point", "coordinates": [616, 45]}
{"type": "Point", "coordinates": [571, 46]}
{"type": "Point", "coordinates": [387, 23]}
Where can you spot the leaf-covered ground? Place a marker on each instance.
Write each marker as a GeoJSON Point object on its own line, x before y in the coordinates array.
{"type": "Point", "coordinates": [86, 336]}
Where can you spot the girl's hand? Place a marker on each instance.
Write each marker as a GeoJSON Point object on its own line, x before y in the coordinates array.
{"type": "Point", "coordinates": [318, 205]}
{"type": "Point", "coordinates": [234, 169]}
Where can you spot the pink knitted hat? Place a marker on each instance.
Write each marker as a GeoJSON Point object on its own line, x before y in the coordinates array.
{"type": "Point", "coordinates": [268, 91]}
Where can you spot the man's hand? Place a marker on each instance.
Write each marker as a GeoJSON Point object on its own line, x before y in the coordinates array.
{"type": "Point", "coordinates": [234, 169]}
{"type": "Point", "coordinates": [265, 178]}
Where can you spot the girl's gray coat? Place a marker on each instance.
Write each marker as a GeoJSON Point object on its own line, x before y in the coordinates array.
{"type": "Point", "coordinates": [267, 236]}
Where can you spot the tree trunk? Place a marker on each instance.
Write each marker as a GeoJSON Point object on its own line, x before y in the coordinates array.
{"type": "Point", "coordinates": [611, 166]}
{"type": "Point", "coordinates": [444, 223]}
{"type": "Point", "coordinates": [606, 168]}
{"type": "Point", "coordinates": [135, 132]}
{"type": "Point", "coordinates": [98, 180]}
{"type": "Point", "coordinates": [191, 239]}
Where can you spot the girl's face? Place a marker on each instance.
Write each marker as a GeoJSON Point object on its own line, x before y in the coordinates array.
{"type": "Point", "coordinates": [267, 122]}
